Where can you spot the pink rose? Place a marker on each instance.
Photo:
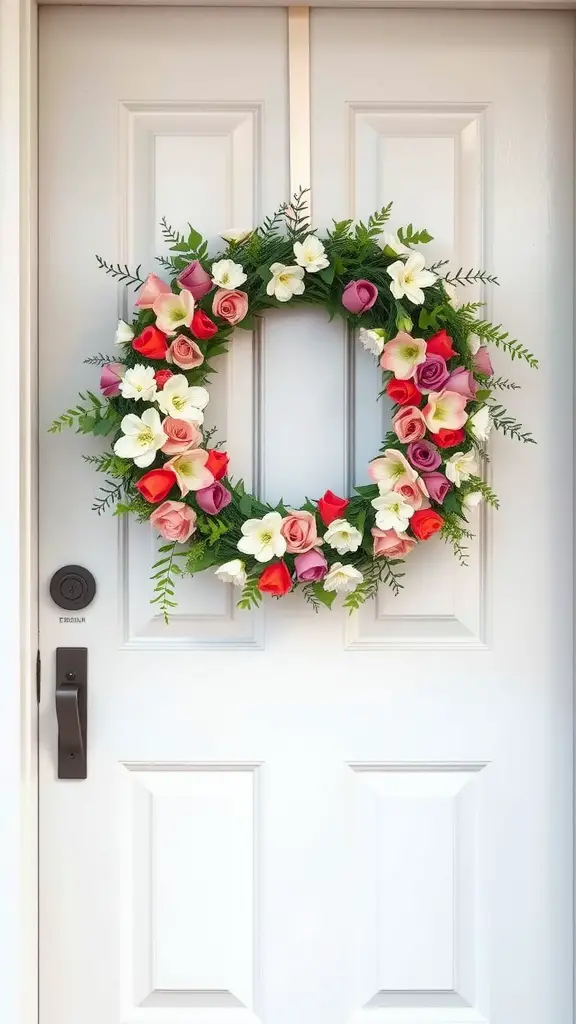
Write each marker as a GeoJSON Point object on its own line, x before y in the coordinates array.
{"type": "Point", "coordinates": [195, 279]}
{"type": "Point", "coordinates": [231, 306]}
{"type": "Point", "coordinates": [389, 544]}
{"type": "Point", "coordinates": [152, 288]}
{"type": "Point", "coordinates": [461, 382]}
{"type": "Point", "coordinates": [214, 498]}
{"type": "Point", "coordinates": [185, 353]}
{"type": "Point", "coordinates": [408, 424]}
{"type": "Point", "coordinates": [482, 361]}
{"type": "Point", "coordinates": [311, 566]}
{"type": "Point", "coordinates": [110, 378]}
{"type": "Point", "coordinates": [181, 435]}
{"type": "Point", "coordinates": [299, 530]}
{"type": "Point", "coordinates": [358, 296]}
{"type": "Point", "coordinates": [174, 520]}
{"type": "Point", "coordinates": [410, 491]}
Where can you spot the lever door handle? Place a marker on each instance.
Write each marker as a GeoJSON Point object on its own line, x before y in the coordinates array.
{"type": "Point", "coordinates": [71, 711]}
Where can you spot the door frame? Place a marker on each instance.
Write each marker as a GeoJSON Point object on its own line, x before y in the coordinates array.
{"type": "Point", "coordinates": [18, 511]}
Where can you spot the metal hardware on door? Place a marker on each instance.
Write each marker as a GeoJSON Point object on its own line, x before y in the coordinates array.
{"type": "Point", "coordinates": [72, 587]}
{"type": "Point", "coordinates": [72, 711]}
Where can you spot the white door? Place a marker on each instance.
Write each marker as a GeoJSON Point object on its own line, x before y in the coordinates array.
{"type": "Point", "coordinates": [291, 818]}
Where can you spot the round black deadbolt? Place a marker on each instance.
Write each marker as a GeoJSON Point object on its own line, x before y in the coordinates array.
{"type": "Point", "coordinates": [72, 587]}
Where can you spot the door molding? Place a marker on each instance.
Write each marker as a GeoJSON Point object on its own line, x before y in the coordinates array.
{"type": "Point", "coordinates": [19, 508]}
{"type": "Point", "coordinates": [18, 516]}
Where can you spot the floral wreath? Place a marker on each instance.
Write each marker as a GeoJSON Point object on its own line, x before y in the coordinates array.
{"type": "Point", "coordinates": [436, 369]}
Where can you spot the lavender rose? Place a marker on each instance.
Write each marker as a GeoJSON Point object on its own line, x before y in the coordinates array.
{"type": "Point", "coordinates": [195, 279]}
{"type": "Point", "coordinates": [311, 566]}
{"type": "Point", "coordinates": [437, 486]}
{"type": "Point", "coordinates": [110, 378]}
{"type": "Point", "coordinates": [432, 374]}
{"type": "Point", "coordinates": [213, 499]}
{"type": "Point", "coordinates": [482, 362]}
{"type": "Point", "coordinates": [424, 456]}
{"type": "Point", "coordinates": [462, 382]}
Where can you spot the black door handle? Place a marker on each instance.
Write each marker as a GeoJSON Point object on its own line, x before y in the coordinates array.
{"type": "Point", "coordinates": [72, 711]}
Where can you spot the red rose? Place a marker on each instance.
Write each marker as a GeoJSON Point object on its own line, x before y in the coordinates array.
{"type": "Point", "coordinates": [217, 463]}
{"type": "Point", "coordinates": [331, 507]}
{"type": "Point", "coordinates": [155, 485]}
{"type": "Point", "coordinates": [161, 376]}
{"type": "Point", "coordinates": [448, 438]}
{"type": "Point", "coordinates": [425, 522]}
{"type": "Point", "coordinates": [151, 343]}
{"type": "Point", "coordinates": [202, 326]}
{"type": "Point", "coordinates": [275, 579]}
{"type": "Point", "coordinates": [403, 392]}
{"type": "Point", "coordinates": [440, 344]}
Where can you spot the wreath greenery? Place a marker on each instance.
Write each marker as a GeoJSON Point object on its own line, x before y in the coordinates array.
{"type": "Point", "coordinates": [436, 369]}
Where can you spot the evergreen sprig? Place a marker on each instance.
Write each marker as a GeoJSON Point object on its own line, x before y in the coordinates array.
{"type": "Point", "coordinates": [122, 273]}
{"type": "Point", "coordinates": [471, 277]}
{"type": "Point", "coordinates": [503, 384]}
{"type": "Point", "coordinates": [167, 568]}
{"type": "Point", "coordinates": [99, 360]}
{"type": "Point", "coordinates": [508, 425]}
{"type": "Point", "coordinates": [107, 496]}
{"type": "Point", "coordinates": [251, 596]}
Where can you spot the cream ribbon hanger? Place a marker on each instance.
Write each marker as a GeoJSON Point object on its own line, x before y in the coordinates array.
{"type": "Point", "coordinates": [299, 99]}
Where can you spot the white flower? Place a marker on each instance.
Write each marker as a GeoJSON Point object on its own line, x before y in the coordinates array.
{"type": "Point", "coordinates": [461, 466]}
{"type": "Point", "coordinates": [311, 254]}
{"type": "Point", "coordinates": [228, 275]}
{"type": "Point", "coordinates": [236, 236]}
{"type": "Point", "coordinates": [138, 383]}
{"type": "Point", "coordinates": [452, 293]}
{"type": "Point", "coordinates": [410, 278]}
{"type": "Point", "coordinates": [472, 499]}
{"type": "Point", "coordinates": [124, 333]}
{"type": "Point", "coordinates": [190, 470]}
{"type": "Point", "coordinates": [285, 282]}
{"type": "Point", "coordinates": [391, 241]}
{"type": "Point", "coordinates": [342, 536]}
{"type": "Point", "coordinates": [392, 512]}
{"type": "Point", "coordinates": [232, 572]}
{"type": "Point", "coordinates": [473, 342]}
{"type": "Point", "coordinates": [390, 469]}
{"type": "Point", "coordinates": [342, 578]}
{"type": "Point", "coordinates": [143, 436]}
{"type": "Point", "coordinates": [180, 400]}
{"type": "Point", "coordinates": [372, 341]}
{"type": "Point", "coordinates": [481, 423]}
{"type": "Point", "coordinates": [174, 311]}
{"type": "Point", "coordinates": [262, 537]}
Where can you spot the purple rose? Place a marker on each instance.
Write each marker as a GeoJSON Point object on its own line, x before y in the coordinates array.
{"type": "Point", "coordinates": [424, 456]}
{"type": "Point", "coordinates": [482, 361]}
{"type": "Point", "coordinates": [213, 499]}
{"type": "Point", "coordinates": [311, 566]}
{"type": "Point", "coordinates": [432, 374]}
{"type": "Point", "coordinates": [195, 279]}
{"type": "Point", "coordinates": [110, 378]}
{"type": "Point", "coordinates": [358, 296]}
{"type": "Point", "coordinates": [462, 382]}
{"type": "Point", "coordinates": [437, 486]}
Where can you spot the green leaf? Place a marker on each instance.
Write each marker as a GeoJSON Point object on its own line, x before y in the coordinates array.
{"type": "Point", "coordinates": [264, 272]}
{"type": "Point", "coordinates": [327, 274]}
{"type": "Point", "coordinates": [245, 505]}
{"type": "Point", "coordinates": [326, 597]}
{"type": "Point", "coordinates": [194, 238]}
